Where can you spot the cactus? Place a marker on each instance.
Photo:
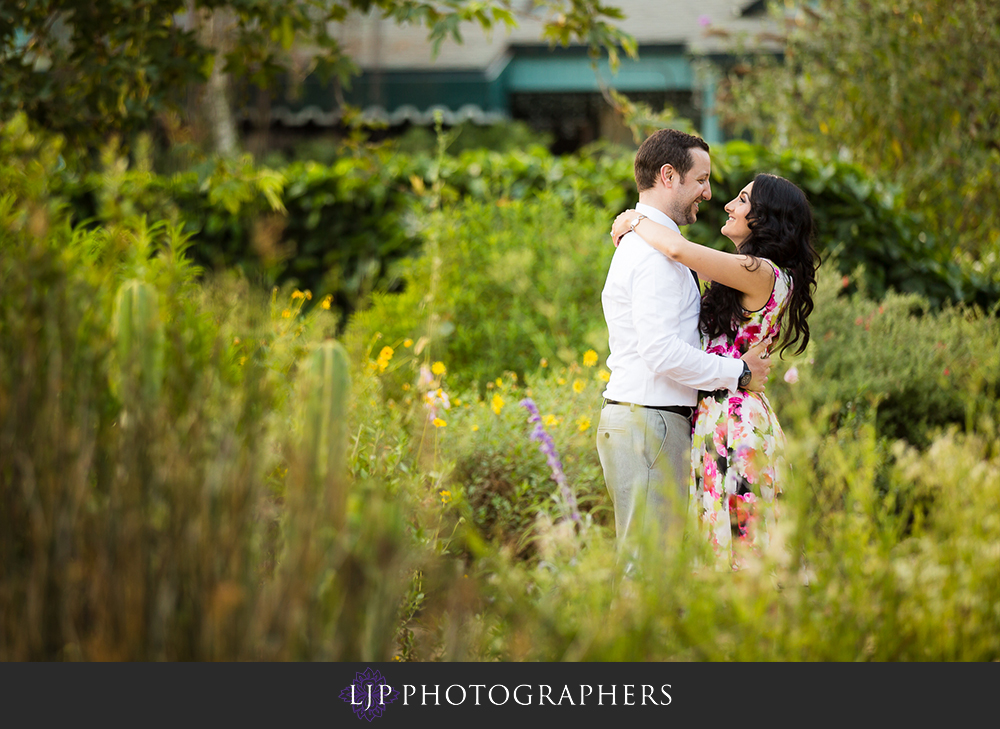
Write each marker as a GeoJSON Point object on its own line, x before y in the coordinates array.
{"type": "Point", "coordinates": [140, 344]}
{"type": "Point", "coordinates": [327, 387]}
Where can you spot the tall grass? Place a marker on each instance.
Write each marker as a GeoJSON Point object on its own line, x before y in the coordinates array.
{"type": "Point", "coordinates": [173, 479]}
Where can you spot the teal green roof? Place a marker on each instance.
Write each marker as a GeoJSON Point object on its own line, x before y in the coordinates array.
{"type": "Point", "coordinates": [484, 95]}
{"type": "Point", "coordinates": [652, 72]}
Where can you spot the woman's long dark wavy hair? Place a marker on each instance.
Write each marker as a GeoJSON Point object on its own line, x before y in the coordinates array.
{"type": "Point", "coordinates": [782, 231]}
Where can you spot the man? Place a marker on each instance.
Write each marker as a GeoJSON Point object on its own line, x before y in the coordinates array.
{"type": "Point", "coordinates": [651, 305]}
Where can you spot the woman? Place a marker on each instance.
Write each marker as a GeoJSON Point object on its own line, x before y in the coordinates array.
{"type": "Point", "coordinates": [763, 291]}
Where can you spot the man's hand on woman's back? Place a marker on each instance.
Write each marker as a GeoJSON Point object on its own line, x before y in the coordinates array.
{"type": "Point", "coordinates": [758, 359]}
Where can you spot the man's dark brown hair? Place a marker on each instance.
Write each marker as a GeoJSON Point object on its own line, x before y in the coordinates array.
{"type": "Point", "coordinates": [665, 147]}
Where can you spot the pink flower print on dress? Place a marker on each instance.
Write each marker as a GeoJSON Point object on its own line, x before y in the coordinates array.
{"type": "Point", "coordinates": [711, 476]}
{"type": "Point", "coordinates": [744, 458]}
{"type": "Point", "coordinates": [735, 403]}
{"type": "Point", "coordinates": [738, 507]}
{"type": "Point", "coordinates": [746, 336]}
{"type": "Point", "coordinates": [721, 433]}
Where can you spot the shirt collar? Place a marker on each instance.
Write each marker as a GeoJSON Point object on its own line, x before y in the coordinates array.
{"type": "Point", "coordinates": [657, 216]}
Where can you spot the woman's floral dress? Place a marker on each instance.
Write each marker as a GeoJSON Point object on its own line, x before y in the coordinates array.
{"type": "Point", "coordinates": [736, 458]}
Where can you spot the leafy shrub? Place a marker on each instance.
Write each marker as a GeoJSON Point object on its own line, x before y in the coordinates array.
{"type": "Point", "coordinates": [915, 368]}
{"type": "Point", "coordinates": [475, 446]}
{"type": "Point", "coordinates": [502, 286]}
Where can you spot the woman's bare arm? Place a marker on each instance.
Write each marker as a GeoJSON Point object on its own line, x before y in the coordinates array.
{"type": "Point", "coordinates": [738, 271]}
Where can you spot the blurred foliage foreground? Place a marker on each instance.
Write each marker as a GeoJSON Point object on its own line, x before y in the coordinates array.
{"type": "Point", "coordinates": [194, 470]}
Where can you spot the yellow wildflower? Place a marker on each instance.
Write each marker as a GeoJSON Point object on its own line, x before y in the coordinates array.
{"type": "Point", "coordinates": [438, 368]}
{"type": "Point", "coordinates": [497, 404]}
{"type": "Point", "coordinates": [475, 428]}
{"type": "Point", "coordinates": [438, 423]}
{"type": "Point", "coordinates": [603, 375]}
{"type": "Point", "coordinates": [561, 381]}
{"type": "Point", "coordinates": [286, 314]}
{"type": "Point", "coordinates": [383, 358]}
{"type": "Point", "coordinates": [499, 382]}
{"type": "Point", "coordinates": [445, 496]}
{"type": "Point", "coordinates": [327, 301]}
{"type": "Point", "coordinates": [298, 295]}
{"type": "Point", "coordinates": [544, 362]}
{"type": "Point", "coordinates": [578, 386]}
{"type": "Point", "coordinates": [408, 343]}
{"type": "Point", "coordinates": [589, 358]}
{"type": "Point", "coordinates": [550, 420]}
{"type": "Point", "coordinates": [309, 295]}
{"type": "Point", "coordinates": [583, 423]}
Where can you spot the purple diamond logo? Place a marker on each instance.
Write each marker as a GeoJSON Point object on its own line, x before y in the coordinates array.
{"type": "Point", "coordinates": [369, 694]}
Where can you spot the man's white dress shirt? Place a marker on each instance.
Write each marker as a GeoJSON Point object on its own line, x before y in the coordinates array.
{"type": "Point", "coordinates": [651, 305]}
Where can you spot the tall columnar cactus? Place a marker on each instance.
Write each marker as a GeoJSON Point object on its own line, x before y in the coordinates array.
{"type": "Point", "coordinates": [139, 344]}
{"type": "Point", "coordinates": [327, 387]}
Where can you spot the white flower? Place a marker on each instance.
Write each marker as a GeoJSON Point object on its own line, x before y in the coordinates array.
{"type": "Point", "coordinates": [792, 376]}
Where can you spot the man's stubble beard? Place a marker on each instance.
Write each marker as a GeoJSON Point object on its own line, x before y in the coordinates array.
{"type": "Point", "coordinates": [682, 215]}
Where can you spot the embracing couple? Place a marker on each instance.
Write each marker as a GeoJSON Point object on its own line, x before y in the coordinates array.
{"type": "Point", "coordinates": [685, 426]}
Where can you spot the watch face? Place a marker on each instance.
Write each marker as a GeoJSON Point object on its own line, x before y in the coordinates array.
{"type": "Point", "coordinates": [746, 376]}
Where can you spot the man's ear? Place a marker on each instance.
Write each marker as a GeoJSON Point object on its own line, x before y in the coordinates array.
{"type": "Point", "coordinates": [667, 175]}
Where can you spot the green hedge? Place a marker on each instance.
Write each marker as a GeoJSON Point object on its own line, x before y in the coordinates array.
{"type": "Point", "coordinates": [337, 229]}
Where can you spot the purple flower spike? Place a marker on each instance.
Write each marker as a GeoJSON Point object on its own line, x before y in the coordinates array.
{"type": "Point", "coordinates": [548, 447]}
